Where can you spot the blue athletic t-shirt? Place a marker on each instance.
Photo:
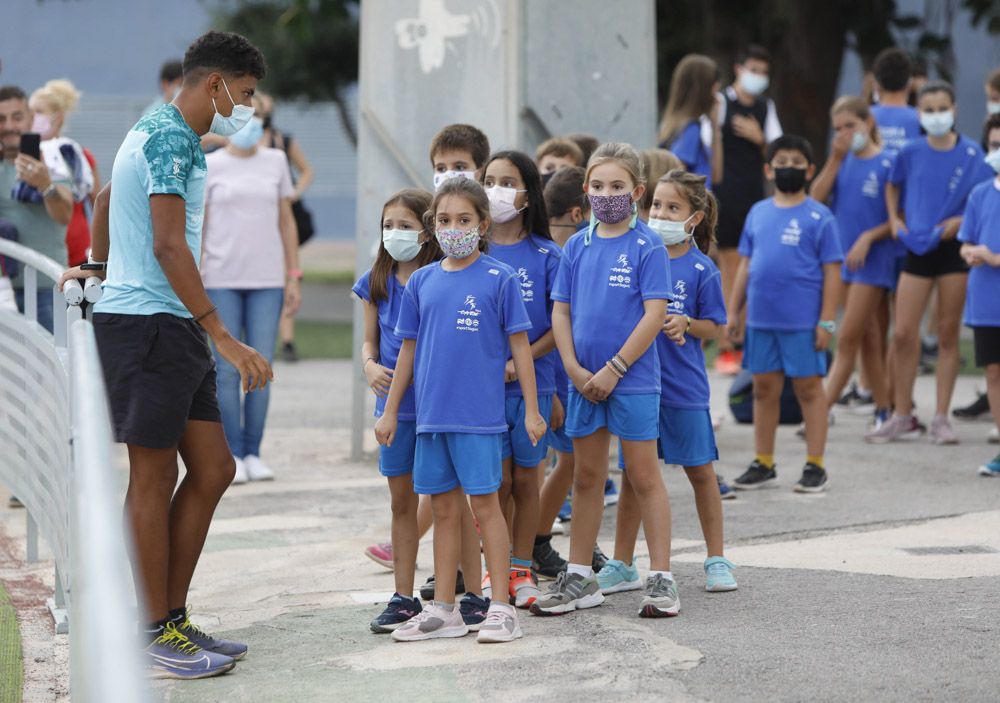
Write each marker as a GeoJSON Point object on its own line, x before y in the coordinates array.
{"type": "Point", "coordinates": [689, 147]}
{"type": "Point", "coordinates": [858, 204]}
{"type": "Point", "coordinates": [698, 294]}
{"type": "Point", "coordinates": [605, 284]}
{"type": "Point", "coordinates": [535, 260]}
{"type": "Point", "coordinates": [897, 125]}
{"type": "Point", "coordinates": [788, 248]}
{"type": "Point", "coordinates": [388, 342]}
{"type": "Point", "coordinates": [981, 225]}
{"type": "Point", "coordinates": [935, 187]}
{"type": "Point", "coordinates": [161, 154]}
{"type": "Point", "coordinates": [461, 321]}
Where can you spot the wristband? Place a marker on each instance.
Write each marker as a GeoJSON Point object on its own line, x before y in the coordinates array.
{"type": "Point", "coordinates": [295, 274]}
{"type": "Point", "coordinates": [618, 367]}
{"type": "Point", "coordinates": [610, 364]}
{"type": "Point", "coordinates": [94, 266]}
{"type": "Point", "coordinates": [621, 360]}
{"type": "Point", "coordinates": [828, 325]}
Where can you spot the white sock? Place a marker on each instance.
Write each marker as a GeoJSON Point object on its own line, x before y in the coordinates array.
{"type": "Point", "coordinates": [450, 607]}
{"type": "Point", "coordinates": [665, 574]}
{"type": "Point", "coordinates": [585, 570]}
{"type": "Point", "coordinates": [502, 606]}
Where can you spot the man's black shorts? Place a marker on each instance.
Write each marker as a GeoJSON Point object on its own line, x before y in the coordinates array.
{"type": "Point", "coordinates": [945, 259]}
{"type": "Point", "coordinates": [159, 372]}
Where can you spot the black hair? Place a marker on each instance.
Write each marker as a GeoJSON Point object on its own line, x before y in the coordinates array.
{"type": "Point", "coordinates": [753, 51]}
{"type": "Point", "coordinates": [564, 191]}
{"type": "Point", "coordinates": [226, 52]}
{"type": "Point", "coordinates": [536, 218]}
{"type": "Point", "coordinates": [892, 69]}
{"type": "Point", "coordinates": [992, 122]}
{"type": "Point", "coordinates": [790, 142]}
{"type": "Point", "coordinates": [171, 71]}
{"type": "Point", "coordinates": [937, 87]}
{"type": "Point", "coordinates": [11, 92]}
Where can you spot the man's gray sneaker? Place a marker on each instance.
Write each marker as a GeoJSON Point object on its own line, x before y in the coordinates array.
{"type": "Point", "coordinates": [432, 622]}
{"type": "Point", "coordinates": [661, 599]}
{"type": "Point", "coordinates": [501, 625]}
{"type": "Point", "coordinates": [569, 592]}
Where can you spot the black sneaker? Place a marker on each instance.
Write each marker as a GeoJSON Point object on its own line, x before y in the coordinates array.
{"type": "Point", "coordinates": [427, 590]}
{"type": "Point", "coordinates": [850, 397]}
{"type": "Point", "coordinates": [979, 409]}
{"type": "Point", "coordinates": [754, 477]}
{"type": "Point", "coordinates": [397, 611]}
{"type": "Point", "coordinates": [288, 352]}
{"type": "Point", "coordinates": [599, 559]}
{"type": "Point", "coordinates": [813, 480]}
{"type": "Point", "coordinates": [546, 561]}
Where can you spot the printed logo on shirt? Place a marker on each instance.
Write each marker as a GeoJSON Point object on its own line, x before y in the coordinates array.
{"type": "Point", "coordinates": [956, 178]}
{"type": "Point", "coordinates": [676, 306]}
{"type": "Point", "coordinates": [527, 285]}
{"type": "Point", "coordinates": [792, 233]}
{"type": "Point", "coordinates": [870, 188]}
{"type": "Point", "coordinates": [621, 273]}
{"type": "Point", "coordinates": [177, 166]}
{"type": "Point", "coordinates": [467, 317]}
{"type": "Point", "coordinates": [893, 137]}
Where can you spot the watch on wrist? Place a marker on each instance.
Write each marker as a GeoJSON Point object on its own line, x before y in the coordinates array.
{"type": "Point", "coordinates": [828, 325]}
{"type": "Point", "coordinates": [49, 191]}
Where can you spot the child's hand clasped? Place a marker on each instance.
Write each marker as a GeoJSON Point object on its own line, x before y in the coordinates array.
{"type": "Point", "coordinates": [675, 328]}
{"type": "Point", "coordinates": [385, 430]}
{"type": "Point", "coordinates": [379, 378]}
{"type": "Point", "coordinates": [600, 385]}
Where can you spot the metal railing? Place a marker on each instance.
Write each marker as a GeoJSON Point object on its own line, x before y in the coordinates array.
{"type": "Point", "coordinates": [55, 434]}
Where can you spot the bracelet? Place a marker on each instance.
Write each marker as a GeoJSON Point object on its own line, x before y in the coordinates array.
{"type": "Point", "coordinates": [370, 358]}
{"type": "Point", "coordinates": [689, 324]}
{"type": "Point", "coordinates": [614, 369]}
{"type": "Point", "coordinates": [619, 368]}
{"type": "Point", "coordinates": [621, 360]}
{"type": "Point", "coordinates": [206, 314]}
{"type": "Point", "coordinates": [295, 274]}
{"type": "Point", "coordinates": [49, 191]}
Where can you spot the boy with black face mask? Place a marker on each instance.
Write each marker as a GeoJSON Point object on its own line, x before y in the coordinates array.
{"type": "Point", "coordinates": [789, 271]}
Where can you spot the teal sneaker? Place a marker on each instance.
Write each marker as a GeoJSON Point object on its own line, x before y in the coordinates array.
{"type": "Point", "coordinates": [719, 575]}
{"type": "Point", "coordinates": [992, 468]}
{"type": "Point", "coordinates": [617, 576]}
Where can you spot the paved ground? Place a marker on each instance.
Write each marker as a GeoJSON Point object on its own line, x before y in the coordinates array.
{"type": "Point", "coordinates": [882, 589]}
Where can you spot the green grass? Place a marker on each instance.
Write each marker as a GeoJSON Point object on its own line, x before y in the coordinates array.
{"type": "Point", "coordinates": [336, 277]}
{"type": "Point", "coordinates": [323, 340]}
{"type": "Point", "coordinates": [11, 670]}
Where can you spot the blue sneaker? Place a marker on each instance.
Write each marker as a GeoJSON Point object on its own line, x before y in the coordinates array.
{"type": "Point", "coordinates": [174, 656]}
{"type": "Point", "coordinates": [397, 611]}
{"type": "Point", "coordinates": [992, 468]}
{"type": "Point", "coordinates": [236, 650]}
{"type": "Point", "coordinates": [719, 575]}
{"type": "Point", "coordinates": [726, 491]}
{"type": "Point", "coordinates": [473, 609]}
{"type": "Point", "coordinates": [565, 512]}
{"type": "Point", "coordinates": [610, 493]}
{"type": "Point", "coordinates": [617, 576]}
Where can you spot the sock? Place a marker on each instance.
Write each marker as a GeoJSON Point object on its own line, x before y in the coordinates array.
{"type": "Point", "coordinates": [520, 564]}
{"type": "Point", "coordinates": [665, 574]}
{"type": "Point", "coordinates": [542, 539]}
{"type": "Point", "coordinates": [154, 629]}
{"type": "Point", "coordinates": [818, 460]}
{"type": "Point", "coordinates": [177, 615]}
{"type": "Point", "coordinates": [585, 570]}
{"type": "Point", "coordinates": [450, 607]}
{"type": "Point", "coordinates": [766, 459]}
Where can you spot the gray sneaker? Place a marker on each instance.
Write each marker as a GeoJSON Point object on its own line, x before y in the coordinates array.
{"type": "Point", "coordinates": [432, 622]}
{"type": "Point", "coordinates": [661, 599]}
{"type": "Point", "coordinates": [569, 592]}
{"type": "Point", "coordinates": [501, 625]}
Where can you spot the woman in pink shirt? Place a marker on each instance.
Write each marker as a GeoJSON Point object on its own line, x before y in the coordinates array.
{"type": "Point", "coordinates": [250, 268]}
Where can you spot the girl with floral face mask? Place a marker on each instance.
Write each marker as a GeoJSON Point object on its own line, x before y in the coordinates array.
{"type": "Point", "coordinates": [610, 299]}
{"type": "Point", "coordinates": [460, 320]}
{"type": "Point", "coordinates": [521, 240]}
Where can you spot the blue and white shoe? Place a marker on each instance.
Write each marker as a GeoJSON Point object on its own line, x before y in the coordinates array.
{"type": "Point", "coordinates": [719, 575]}
{"type": "Point", "coordinates": [397, 611]}
{"type": "Point", "coordinates": [236, 650]}
{"type": "Point", "coordinates": [991, 468]}
{"type": "Point", "coordinates": [726, 491]}
{"type": "Point", "coordinates": [174, 656]}
{"type": "Point", "coordinates": [617, 576]}
{"type": "Point", "coordinates": [610, 493]}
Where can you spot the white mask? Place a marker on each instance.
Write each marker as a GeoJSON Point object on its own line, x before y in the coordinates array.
{"type": "Point", "coordinates": [402, 244]}
{"type": "Point", "coordinates": [753, 83]}
{"type": "Point", "coordinates": [670, 231]}
{"type": "Point", "coordinates": [937, 124]}
{"type": "Point", "coordinates": [502, 199]}
{"type": "Point", "coordinates": [237, 120]}
{"type": "Point", "coordinates": [993, 107]}
{"type": "Point", "coordinates": [859, 141]}
{"type": "Point", "coordinates": [993, 159]}
{"type": "Point", "coordinates": [441, 177]}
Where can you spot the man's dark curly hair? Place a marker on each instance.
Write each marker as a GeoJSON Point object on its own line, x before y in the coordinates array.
{"type": "Point", "coordinates": [226, 52]}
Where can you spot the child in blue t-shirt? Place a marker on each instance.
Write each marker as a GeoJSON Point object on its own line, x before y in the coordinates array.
{"type": "Point", "coordinates": [788, 277]}
{"type": "Point", "coordinates": [853, 179]}
{"type": "Point", "coordinates": [460, 320]}
{"type": "Point", "coordinates": [690, 127]}
{"type": "Point", "coordinates": [521, 240]}
{"type": "Point", "coordinates": [980, 237]}
{"type": "Point", "coordinates": [897, 122]}
{"type": "Point", "coordinates": [405, 247]}
{"type": "Point", "coordinates": [682, 210]}
{"type": "Point", "coordinates": [610, 299]}
{"type": "Point", "coordinates": [928, 186]}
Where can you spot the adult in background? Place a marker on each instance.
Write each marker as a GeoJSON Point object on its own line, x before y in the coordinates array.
{"type": "Point", "coordinates": [302, 178]}
{"type": "Point", "coordinates": [151, 327]}
{"type": "Point", "coordinates": [171, 79]}
{"type": "Point", "coordinates": [51, 105]}
{"type": "Point", "coordinates": [749, 122]}
{"type": "Point", "coordinates": [250, 268]}
{"type": "Point", "coordinates": [36, 202]}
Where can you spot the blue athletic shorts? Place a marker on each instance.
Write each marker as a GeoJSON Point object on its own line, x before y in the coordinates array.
{"type": "Point", "coordinates": [631, 417]}
{"type": "Point", "coordinates": [557, 439]}
{"type": "Point", "coordinates": [515, 439]}
{"type": "Point", "coordinates": [397, 460]}
{"type": "Point", "coordinates": [686, 437]}
{"type": "Point", "coordinates": [448, 460]}
{"type": "Point", "coordinates": [792, 352]}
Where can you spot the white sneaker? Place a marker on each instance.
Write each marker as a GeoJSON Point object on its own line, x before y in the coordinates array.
{"type": "Point", "coordinates": [430, 623]}
{"type": "Point", "coordinates": [241, 472]}
{"type": "Point", "coordinates": [558, 528]}
{"type": "Point", "coordinates": [501, 625]}
{"type": "Point", "coordinates": [257, 470]}
{"type": "Point", "coordinates": [994, 436]}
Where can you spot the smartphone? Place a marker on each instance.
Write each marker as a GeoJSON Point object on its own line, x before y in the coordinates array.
{"type": "Point", "coordinates": [31, 144]}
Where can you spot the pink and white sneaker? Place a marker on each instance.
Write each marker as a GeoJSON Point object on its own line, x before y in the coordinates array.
{"type": "Point", "coordinates": [942, 432]}
{"type": "Point", "coordinates": [380, 554]}
{"type": "Point", "coordinates": [897, 428]}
